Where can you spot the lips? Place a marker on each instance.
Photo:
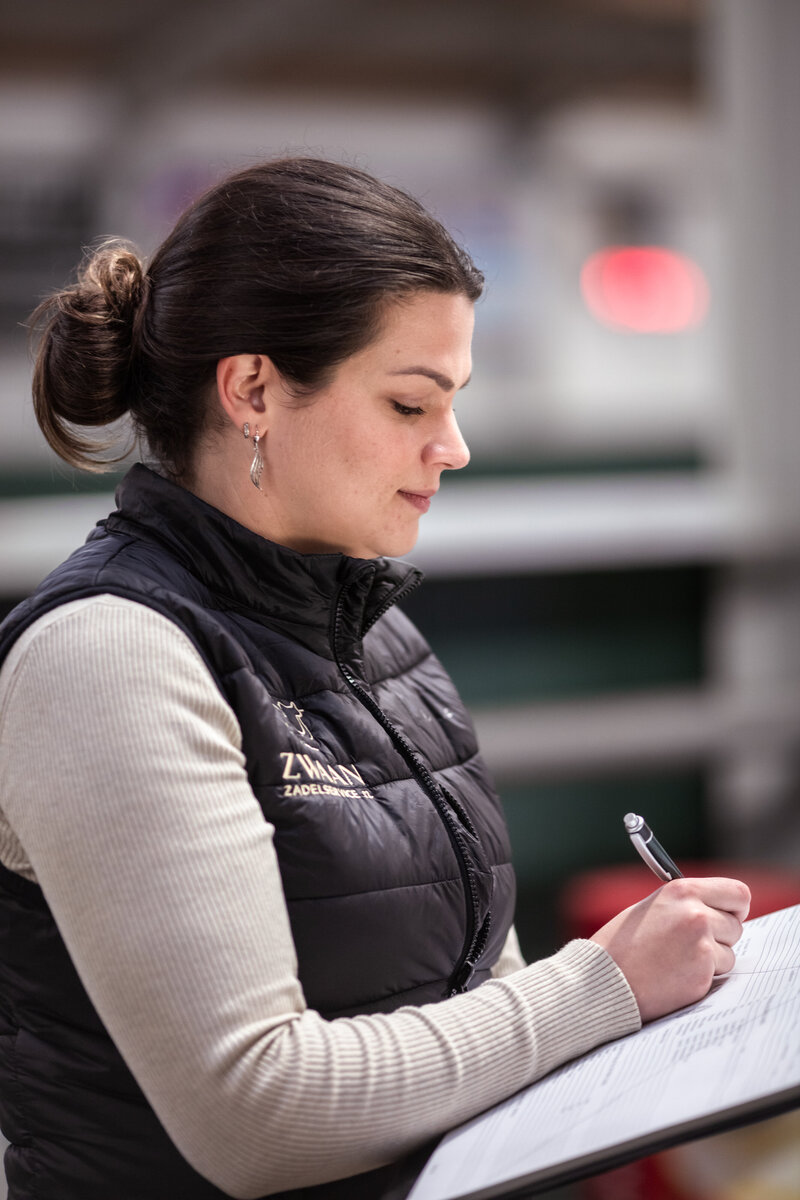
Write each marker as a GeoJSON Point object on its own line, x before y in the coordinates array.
{"type": "Point", "coordinates": [420, 500]}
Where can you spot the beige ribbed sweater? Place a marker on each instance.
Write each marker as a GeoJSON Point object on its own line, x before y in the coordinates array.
{"type": "Point", "coordinates": [124, 794]}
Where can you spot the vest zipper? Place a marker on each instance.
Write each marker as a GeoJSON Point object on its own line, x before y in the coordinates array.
{"type": "Point", "coordinates": [476, 937]}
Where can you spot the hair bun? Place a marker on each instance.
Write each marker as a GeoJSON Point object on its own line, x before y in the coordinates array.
{"type": "Point", "coordinates": [86, 354]}
{"type": "Point", "coordinates": [116, 272]}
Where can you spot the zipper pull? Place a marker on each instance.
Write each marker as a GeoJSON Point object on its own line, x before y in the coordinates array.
{"type": "Point", "coordinates": [461, 981]}
{"type": "Point", "coordinates": [465, 972]}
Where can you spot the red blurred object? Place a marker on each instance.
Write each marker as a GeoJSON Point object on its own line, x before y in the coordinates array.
{"type": "Point", "coordinates": [644, 289]}
{"type": "Point", "coordinates": [594, 897]}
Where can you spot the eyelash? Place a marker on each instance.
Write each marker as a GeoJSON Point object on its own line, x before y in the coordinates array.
{"type": "Point", "coordinates": [406, 410]}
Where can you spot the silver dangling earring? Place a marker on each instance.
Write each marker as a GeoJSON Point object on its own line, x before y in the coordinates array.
{"type": "Point", "coordinates": [257, 465]}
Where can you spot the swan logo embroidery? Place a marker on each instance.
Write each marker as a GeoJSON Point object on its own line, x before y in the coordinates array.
{"type": "Point", "coordinates": [292, 716]}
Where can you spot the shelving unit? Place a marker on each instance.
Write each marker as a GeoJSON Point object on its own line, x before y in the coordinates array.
{"type": "Point", "coordinates": [535, 527]}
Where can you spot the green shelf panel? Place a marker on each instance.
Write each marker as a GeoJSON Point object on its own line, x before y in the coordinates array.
{"type": "Point", "coordinates": [559, 830]}
{"type": "Point", "coordinates": [513, 639]}
{"type": "Point", "coordinates": [559, 827]}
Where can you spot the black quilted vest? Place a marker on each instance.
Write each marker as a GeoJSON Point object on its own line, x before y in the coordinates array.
{"type": "Point", "coordinates": [391, 844]}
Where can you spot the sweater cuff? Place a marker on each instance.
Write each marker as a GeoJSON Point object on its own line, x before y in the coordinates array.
{"type": "Point", "coordinates": [595, 1003]}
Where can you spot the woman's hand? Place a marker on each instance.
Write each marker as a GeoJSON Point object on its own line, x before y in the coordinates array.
{"type": "Point", "coordinates": [672, 944]}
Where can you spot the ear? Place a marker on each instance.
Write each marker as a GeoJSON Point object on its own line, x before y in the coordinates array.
{"type": "Point", "coordinates": [244, 384]}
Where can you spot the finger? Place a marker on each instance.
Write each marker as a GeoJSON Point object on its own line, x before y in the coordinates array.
{"type": "Point", "coordinates": [724, 959]}
{"type": "Point", "coordinates": [726, 928]}
{"type": "Point", "coordinates": [727, 895]}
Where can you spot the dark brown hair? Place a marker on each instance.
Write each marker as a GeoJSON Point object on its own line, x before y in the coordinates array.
{"type": "Point", "coordinates": [295, 258]}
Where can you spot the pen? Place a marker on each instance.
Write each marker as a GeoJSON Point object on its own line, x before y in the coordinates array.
{"type": "Point", "coordinates": [650, 849]}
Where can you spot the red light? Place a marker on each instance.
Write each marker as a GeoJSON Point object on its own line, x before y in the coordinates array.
{"type": "Point", "coordinates": [644, 289]}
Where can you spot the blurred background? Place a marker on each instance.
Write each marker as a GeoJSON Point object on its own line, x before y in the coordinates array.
{"type": "Point", "coordinates": [615, 580]}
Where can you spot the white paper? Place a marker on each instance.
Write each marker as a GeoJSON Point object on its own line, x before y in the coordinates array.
{"type": "Point", "coordinates": [737, 1045]}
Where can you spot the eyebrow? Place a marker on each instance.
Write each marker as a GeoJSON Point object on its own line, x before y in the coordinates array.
{"type": "Point", "coordinates": [442, 381]}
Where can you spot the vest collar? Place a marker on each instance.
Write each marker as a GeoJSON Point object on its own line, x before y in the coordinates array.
{"type": "Point", "coordinates": [293, 593]}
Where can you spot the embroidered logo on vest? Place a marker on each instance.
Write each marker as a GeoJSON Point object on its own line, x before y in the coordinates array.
{"type": "Point", "coordinates": [292, 716]}
{"type": "Point", "coordinates": [307, 776]}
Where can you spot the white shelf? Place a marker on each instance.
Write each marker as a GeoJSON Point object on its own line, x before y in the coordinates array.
{"type": "Point", "coordinates": [474, 527]}
{"type": "Point", "coordinates": [37, 534]}
{"type": "Point", "coordinates": [578, 524]}
{"type": "Point", "coordinates": [634, 731]}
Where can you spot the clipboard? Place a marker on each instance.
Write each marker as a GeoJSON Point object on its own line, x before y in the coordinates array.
{"type": "Point", "coordinates": [731, 1059]}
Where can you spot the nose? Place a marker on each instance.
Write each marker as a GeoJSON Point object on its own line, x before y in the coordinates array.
{"type": "Point", "coordinates": [448, 450]}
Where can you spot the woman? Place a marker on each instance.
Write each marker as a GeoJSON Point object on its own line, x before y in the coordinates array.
{"type": "Point", "coordinates": [255, 883]}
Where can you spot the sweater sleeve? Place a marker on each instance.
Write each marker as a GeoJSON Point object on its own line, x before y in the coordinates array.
{"type": "Point", "coordinates": [510, 959]}
{"type": "Point", "coordinates": [143, 779]}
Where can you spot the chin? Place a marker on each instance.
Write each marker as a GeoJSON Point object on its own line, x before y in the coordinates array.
{"type": "Point", "coordinates": [387, 544]}
{"type": "Point", "coordinates": [398, 549]}
{"type": "Point", "coordinates": [390, 548]}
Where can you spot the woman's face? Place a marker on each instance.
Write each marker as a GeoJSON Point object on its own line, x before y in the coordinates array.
{"type": "Point", "coordinates": [354, 468]}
